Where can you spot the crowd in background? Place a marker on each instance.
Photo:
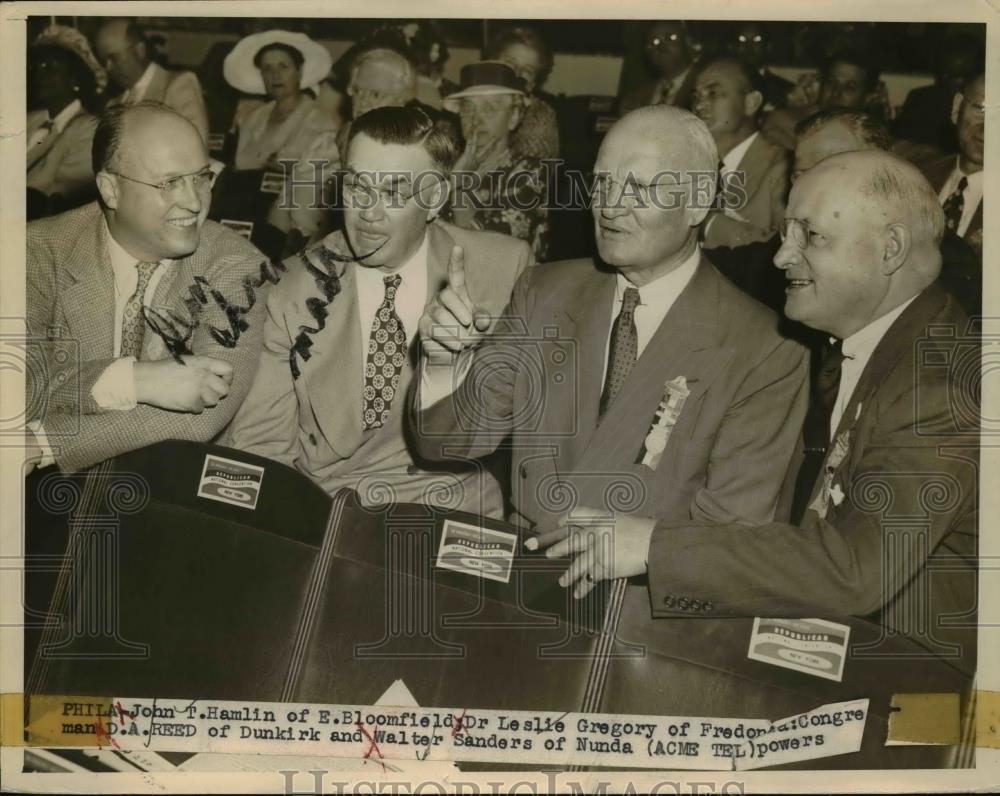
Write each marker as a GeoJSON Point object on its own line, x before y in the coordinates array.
{"type": "Point", "coordinates": [274, 104]}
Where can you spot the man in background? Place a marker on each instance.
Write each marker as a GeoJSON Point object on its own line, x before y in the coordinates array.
{"type": "Point", "coordinates": [122, 47]}
{"type": "Point", "coordinates": [753, 172]}
{"type": "Point", "coordinates": [668, 50]}
{"type": "Point", "coordinates": [751, 43]}
{"type": "Point", "coordinates": [846, 80]}
{"type": "Point", "coordinates": [958, 178]}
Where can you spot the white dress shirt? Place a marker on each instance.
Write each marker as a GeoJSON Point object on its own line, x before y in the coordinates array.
{"type": "Point", "coordinates": [857, 350]}
{"type": "Point", "coordinates": [655, 301]}
{"type": "Point", "coordinates": [411, 296]}
{"type": "Point", "coordinates": [58, 124]}
{"type": "Point", "coordinates": [139, 88]}
{"type": "Point", "coordinates": [972, 195]}
{"type": "Point", "coordinates": [115, 387]}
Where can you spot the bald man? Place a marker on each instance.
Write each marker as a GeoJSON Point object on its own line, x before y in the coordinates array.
{"type": "Point", "coordinates": [98, 279]}
{"type": "Point", "coordinates": [895, 500]}
{"type": "Point", "coordinates": [122, 47]}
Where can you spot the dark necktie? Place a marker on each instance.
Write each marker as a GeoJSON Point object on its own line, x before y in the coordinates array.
{"type": "Point", "coordinates": [386, 354]}
{"type": "Point", "coordinates": [133, 321]}
{"type": "Point", "coordinates": [954, 205]}
{"type": "Point", "coordinates": [622, 350]}
{"type": "Point", "coordinates": [816, 430]}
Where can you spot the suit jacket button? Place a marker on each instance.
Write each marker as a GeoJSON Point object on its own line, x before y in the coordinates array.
{"type": "Point", "coordinates": [312, 439]}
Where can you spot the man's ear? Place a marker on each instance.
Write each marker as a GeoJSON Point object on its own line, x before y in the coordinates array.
{"type": "Point", "coordinates": [752, 103]}
{"type": "Point", "coordinates": [956, 106]}
{"type": "Point", "coordinates": [437, 196]}
{"type": "Point", "coordinates": [141, 49]}
{"type": "Point", "coordinates": [107, 186]}
{"type": "Point", "coordinates": [515, 116]}
{"type": "Point", "coordinates": [896, 248]}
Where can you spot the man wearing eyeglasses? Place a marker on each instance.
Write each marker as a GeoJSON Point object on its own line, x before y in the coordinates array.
{"type": "Point", "coordinates": [886, 549]}
{"type": "Point", "coordinates": [132, 356]}
{"type": "Point", "coordinates": [342, 328]}
{"type": "Point", "coordinates": [668, 50]}
{"type": "Point", "coordinates": [958, 178]}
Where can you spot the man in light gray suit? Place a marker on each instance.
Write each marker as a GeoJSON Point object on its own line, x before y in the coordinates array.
{"type": "Point", "coordinates": [341, 330]}
{"type": "Point", "coordinates": [638, 388]}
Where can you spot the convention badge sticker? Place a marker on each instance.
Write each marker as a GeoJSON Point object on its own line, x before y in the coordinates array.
{"type": "Point", "coordinates": [244, 228]}
{"type": "Point", "coordinates": [476, 551]}
{"type": "Point", "coordinates": [228, 481]}
{"type": "Point", "coordinates": [812, 646]}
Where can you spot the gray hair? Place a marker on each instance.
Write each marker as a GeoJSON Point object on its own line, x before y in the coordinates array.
{"type": "Point", "coordinates": [870, 131]}
{"type": "Point", "coordinates": [407, 72]}
{"type": "Point", "coordinates": [895, 183]}
{"type": "Point", "coordinates": [673, 123]}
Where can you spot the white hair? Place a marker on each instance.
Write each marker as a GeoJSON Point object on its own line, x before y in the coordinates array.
{"type": "Point", "coordinates": [407, 74]}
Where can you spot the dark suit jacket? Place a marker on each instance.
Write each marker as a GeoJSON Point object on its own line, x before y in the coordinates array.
{"type": "Point", "coordinates": [895, 559]}
{"type": "Point", "coordinates": [643, 93]}
{"type": "Point", "coordinates": [925, 118]}
{"type": "Point", "coordinates": [540, 376]}
{"type": "Point", "coordinates": [70, 301]}
{"type": "Point", "coordinates": [937, 172]}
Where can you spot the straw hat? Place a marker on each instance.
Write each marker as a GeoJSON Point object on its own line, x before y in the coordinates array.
{"type": "Point", "coordinates": [241, 73]}
{"type": "Point", "coordinates": [75, 42]}
{"type": "Point", "coordinates": [483, 79]}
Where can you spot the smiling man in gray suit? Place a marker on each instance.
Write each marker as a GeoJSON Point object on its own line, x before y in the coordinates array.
{"type": "Point", "coordinates": [644, 381]}
{"type": "Point", "coordinates": [107, 383]}
{"type": "Point", "coordinates": [342, 323]}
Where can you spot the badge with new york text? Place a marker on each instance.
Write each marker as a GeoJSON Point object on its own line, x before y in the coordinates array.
{"type": "Point", "coordinates": [228, 481]}
{"type": "Point", "coordinates": [812, 646]}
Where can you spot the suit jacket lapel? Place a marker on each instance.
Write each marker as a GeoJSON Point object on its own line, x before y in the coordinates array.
{"type": "Point", "coordinates": [685, 344]}
{"type": "Point", "coordinates": [91, 284]}
{"type": "Point", "coordinates": [439, 245]}
{"type": "Point", "coordinates": [157, 88]}
{"type": "Point", "coordinates": [587, 323]}
{"type": "Point", "coordinates": [897, 342]}
{"type": "Point", "coordinates": [333, 373]}
{"type": "Point", "coordinates": [754, 164]}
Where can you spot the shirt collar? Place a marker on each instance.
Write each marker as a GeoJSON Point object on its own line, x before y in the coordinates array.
{"type": "Point", "coordinates": [140, 86]}
{"type": "Point", "coordinates": [121, 260]}
{"type": "Point", "coordinates": [975, 179]}
{"type": "Point", "coordinates": [664, 289]}
{"type": "Point", "coordinates": [863, 342]}
{"type": "Point", "coordinates": [735, 155]}
{"type": "Point", "coordinates": [62, 118]}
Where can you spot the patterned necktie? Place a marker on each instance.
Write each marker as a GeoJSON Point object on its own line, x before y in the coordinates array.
{"type": "Point", "coordinates": [386, 354]}
{"type": "Point", "coordinates": [623, 349]}
{"type": "Point", "coordinates": [954, 205]}
{"type": "Point", "coordinates": [816, 430]}
{"type": "Point", "coordinates": [133, 321]}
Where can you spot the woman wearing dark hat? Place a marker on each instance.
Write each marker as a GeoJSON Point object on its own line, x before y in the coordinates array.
{"type": "Point", "coordinates": [523, 50]}
{"type": "Point", "coordinates": [291, 125]}
{"type": "Point", "coordinates": [63, 76]}
{"type": "Point", "coordinates": [510, 188]}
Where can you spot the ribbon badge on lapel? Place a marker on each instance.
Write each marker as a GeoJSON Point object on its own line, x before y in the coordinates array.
{"type": "Point", "coordinates": [675, 393]}
{"type": "Point", "coordinates": [831, 491]}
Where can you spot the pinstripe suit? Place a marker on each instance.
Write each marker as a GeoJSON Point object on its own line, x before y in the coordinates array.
{"type": "Point", "coordinates": [70, 302]}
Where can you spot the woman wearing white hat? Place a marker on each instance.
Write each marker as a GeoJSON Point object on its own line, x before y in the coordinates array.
{"type": "Point", "coordinates": [291, 125]}
{"type": "Point", "coordinates": [510, 187]}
